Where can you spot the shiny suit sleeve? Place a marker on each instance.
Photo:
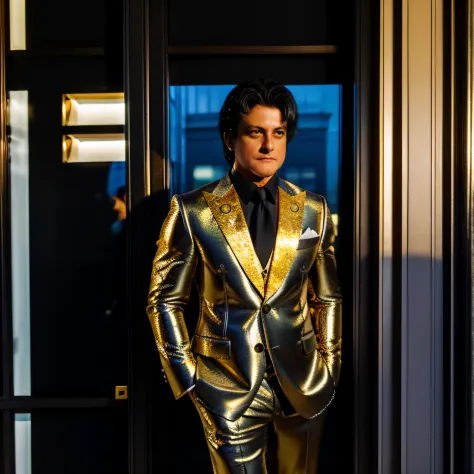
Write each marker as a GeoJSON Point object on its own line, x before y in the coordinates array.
{"type": "Point", "coordinates": [172, 277]}
{"type": "Point", "coordinates": [324, 296]}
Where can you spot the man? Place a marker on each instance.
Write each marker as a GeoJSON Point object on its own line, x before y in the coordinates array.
{"type": "Point", "coordinates": [267, 344]}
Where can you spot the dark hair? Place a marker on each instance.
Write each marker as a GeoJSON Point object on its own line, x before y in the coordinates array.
{"type": "Point", "coordinates": [244, 97]}
{"type": "Point", "coordinates": [120, 192]}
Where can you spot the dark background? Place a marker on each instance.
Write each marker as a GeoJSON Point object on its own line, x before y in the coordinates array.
{"type": "Point", "coordinates": [79, 352]}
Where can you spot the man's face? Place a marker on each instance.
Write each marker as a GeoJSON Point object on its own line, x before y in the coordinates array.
{"type": "Point", "coordinates": [120, 207]}
{"type": "Point", "coordinates": [260, 144]}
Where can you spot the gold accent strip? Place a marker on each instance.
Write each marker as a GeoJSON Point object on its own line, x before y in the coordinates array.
{"type": "Point", "coordinates": [98, 136]}
{"type": "Point", "coordinates": [385, 257]}
{"type": "Point", "coordinates": [290, 221]}
{"type": "Point", "coordinates": [146, 128]}
{"type": "Point", "coordinates": [470, 111]}
{"type": "Point", "coordinates": [451, 236]}
{"type": "Point", "coordinates": [234, 228]}
{"type": "Point", "coordinates": [95, 96]}
{"type": "Point", "coordinates": [67, 107]}
{"type": "Point", "coordinates": [421, 233]}
{"type": "Point", "coordinates": [246, 50]}
{"type": "Point", "coordinates": [468, 197]}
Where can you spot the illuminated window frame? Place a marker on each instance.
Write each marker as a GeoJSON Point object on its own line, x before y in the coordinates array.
{"type": "Point", "coordinates": [97, 148]}
{"type": "Point", "coordinates": [93, 109]}
{"type": "Point", "coordinates": [17, 25]}
{"type": "Point", "coordinates": [20, 243]}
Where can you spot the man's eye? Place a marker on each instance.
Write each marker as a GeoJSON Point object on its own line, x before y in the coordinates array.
{"type": "Point", "coordinates": [280, 133]}
{"type": "Point", "coordinates": [255, 132]}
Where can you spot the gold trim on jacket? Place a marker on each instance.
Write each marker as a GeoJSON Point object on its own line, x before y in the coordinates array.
{"type": "Point", "coordinates": [296, 315]}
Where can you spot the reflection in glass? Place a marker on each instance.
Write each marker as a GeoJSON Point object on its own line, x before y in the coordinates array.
{"type": "Point", "coordinates": [312, 160]}
{"type": "Point", "coordinates": [78, 277]}
{"type": "Point", "coordinates": [203, 174]}
{"type": "Point", "coordinates": [23, 443]}
{"type": "Point", "coordinates": [116, 190]}
{"type": "Point", "coordinates": [20, 243]}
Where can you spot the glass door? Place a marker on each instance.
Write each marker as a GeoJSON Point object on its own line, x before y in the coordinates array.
{"type": "Point", "coordinates": [64, 364]}
{"type": "Point", "coordinates": [190, 62]}
{"type": "Point", "coordinates": [195, 147]}
{"type": "Point", "coordinates": [68, 337]}
{"type": "Point", "coordinates": [313, 161]}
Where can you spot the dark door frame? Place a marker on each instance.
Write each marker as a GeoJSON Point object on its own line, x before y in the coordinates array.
{"type": "Point", "coordinates": [459, 181]}
{"type": "Point", "coordinates": [146, 64]}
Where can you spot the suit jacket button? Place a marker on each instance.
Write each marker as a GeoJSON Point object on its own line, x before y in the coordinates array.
{"type": "Point", "coordinates": [259, 347]}
{"type": "Point", "coordinates": [266, 308]}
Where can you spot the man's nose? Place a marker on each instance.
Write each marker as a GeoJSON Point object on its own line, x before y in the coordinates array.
{"type": "Point", "coordinates": [267, 145]}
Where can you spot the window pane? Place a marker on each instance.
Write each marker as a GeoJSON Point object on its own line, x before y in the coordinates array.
{"type": "Point", "coordinates": [225, 23]}
{"type": "Point", "coordinates": [59, 24]}
{"type": "Point", "coordinates": [92, 442]}
{"type": "Point", "coordinates": [312, 159]}
{"type": "Point", "coordinates": [17, 25]}
{"type": "Point", "coordinates": [79, 341]}
{"type": "Point", "coordinates": [299, 69]}
{"type": "Point", "coordinates": [20, 240]}
{"type": "Point", "coordinates": [197, 155]}
{"type": "Point", "coordinates": [23, 443]}
{"type": "Point", "coordinates": [68, 260]}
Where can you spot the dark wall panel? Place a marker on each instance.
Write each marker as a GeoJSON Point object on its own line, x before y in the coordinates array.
{"type": "Point", "coordinates": [214, 22]}
{"type": "Point", "coordinates": [289, 69]}
{"type": "Point", "coordinates": [59, 24]}
{"type": "Point", "coordinates": [78, 442]}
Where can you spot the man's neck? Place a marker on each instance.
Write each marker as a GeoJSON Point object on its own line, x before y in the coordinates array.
{"type": "Point", "coordinates": [257, 180]}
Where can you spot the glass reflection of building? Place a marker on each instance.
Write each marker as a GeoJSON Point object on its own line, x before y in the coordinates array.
{"type": "Point", "coordinates": [196, 155]}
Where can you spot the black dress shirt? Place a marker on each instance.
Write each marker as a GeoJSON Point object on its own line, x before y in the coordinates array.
{"type": "Point", "coordinates": [246, 191]}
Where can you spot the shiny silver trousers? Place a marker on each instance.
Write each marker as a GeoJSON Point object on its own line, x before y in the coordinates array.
{"type": "Point", "coordinates": [240, 446]}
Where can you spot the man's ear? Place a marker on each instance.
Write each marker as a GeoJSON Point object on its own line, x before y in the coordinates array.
{"type": "Point", "coordinates": [229, 140]}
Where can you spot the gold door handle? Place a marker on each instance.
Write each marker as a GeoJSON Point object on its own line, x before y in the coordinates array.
{"type": "Point", "coordinates": [121, 392]}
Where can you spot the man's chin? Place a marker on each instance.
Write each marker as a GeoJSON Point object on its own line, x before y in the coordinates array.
{"type": "Point", "coordinates": [257, 173]}
{"type": "Point", "coordinates": [265, 171]}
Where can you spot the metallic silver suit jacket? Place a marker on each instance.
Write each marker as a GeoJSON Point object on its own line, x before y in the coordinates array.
{"type": "Point", "coordinates": [295, 311]}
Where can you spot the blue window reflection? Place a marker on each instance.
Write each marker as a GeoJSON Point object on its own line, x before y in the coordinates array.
{"type": "Point", "coordinates": [116, 192]}
{"type": "Point", "coordinates": [312, 159]}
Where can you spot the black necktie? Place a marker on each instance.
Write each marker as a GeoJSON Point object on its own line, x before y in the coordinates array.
{"type": "Point", "coordinates": [262, 228]}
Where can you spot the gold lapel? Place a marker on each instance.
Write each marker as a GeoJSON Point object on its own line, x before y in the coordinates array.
{"type": "Point", "coordinates": [290, 220]}
{"type": "Point", "coordinates": [225, 206]}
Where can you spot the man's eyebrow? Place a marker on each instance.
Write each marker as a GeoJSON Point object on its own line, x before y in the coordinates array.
{"type": "Point", "coordinates": [248, 125]}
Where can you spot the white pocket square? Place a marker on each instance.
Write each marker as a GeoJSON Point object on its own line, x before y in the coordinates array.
{"type": "Point", "coordinates": [308, 234]}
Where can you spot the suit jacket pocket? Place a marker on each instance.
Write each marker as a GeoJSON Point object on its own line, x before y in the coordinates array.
{"type": "Point", "coordinates": [307, 243]}
{"type": "Point", "coordinates": [211, 347]}
{"type": "Point", "coordinates": [309, 342]}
